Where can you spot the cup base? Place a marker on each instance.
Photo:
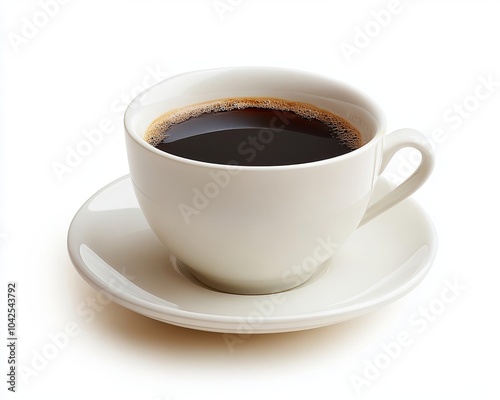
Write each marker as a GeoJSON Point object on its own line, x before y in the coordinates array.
{"type": "Point", "coordinates": [249, 288]}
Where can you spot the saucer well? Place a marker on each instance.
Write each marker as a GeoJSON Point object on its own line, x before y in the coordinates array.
{"type": "Point", "coordinates": [114, 250]}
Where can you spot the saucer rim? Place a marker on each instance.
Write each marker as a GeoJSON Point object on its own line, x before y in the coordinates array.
{"type": "Point", "coordinates": [228, 323]}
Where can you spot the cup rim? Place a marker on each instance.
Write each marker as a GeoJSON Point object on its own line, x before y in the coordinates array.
{"type": "Point", "coordinates": [376, 111]}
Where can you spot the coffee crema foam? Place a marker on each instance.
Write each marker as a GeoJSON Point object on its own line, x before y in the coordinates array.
{"type": "Point", "coordinates": [345, 132]}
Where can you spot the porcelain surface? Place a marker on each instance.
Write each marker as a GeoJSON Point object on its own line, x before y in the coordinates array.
{"type": "Point", "coordinates": [115, 251]}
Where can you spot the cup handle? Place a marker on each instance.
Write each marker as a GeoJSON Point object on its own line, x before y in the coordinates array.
{"type": "Point", "coordinates": [393, 143]}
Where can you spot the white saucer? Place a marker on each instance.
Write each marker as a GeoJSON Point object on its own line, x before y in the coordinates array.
{"type": "Point", "coordinates": [114, 250]}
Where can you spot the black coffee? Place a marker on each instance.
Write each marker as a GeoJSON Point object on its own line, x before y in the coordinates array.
{"type": "Point", "coordinates": [253, 132]}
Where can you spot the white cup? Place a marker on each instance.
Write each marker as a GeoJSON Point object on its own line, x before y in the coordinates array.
{"type": "Point", "coordinates": [265, 229]}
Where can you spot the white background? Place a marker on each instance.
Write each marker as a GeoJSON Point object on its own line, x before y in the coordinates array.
{"type": "Point", "coordinates": [78, 69]}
